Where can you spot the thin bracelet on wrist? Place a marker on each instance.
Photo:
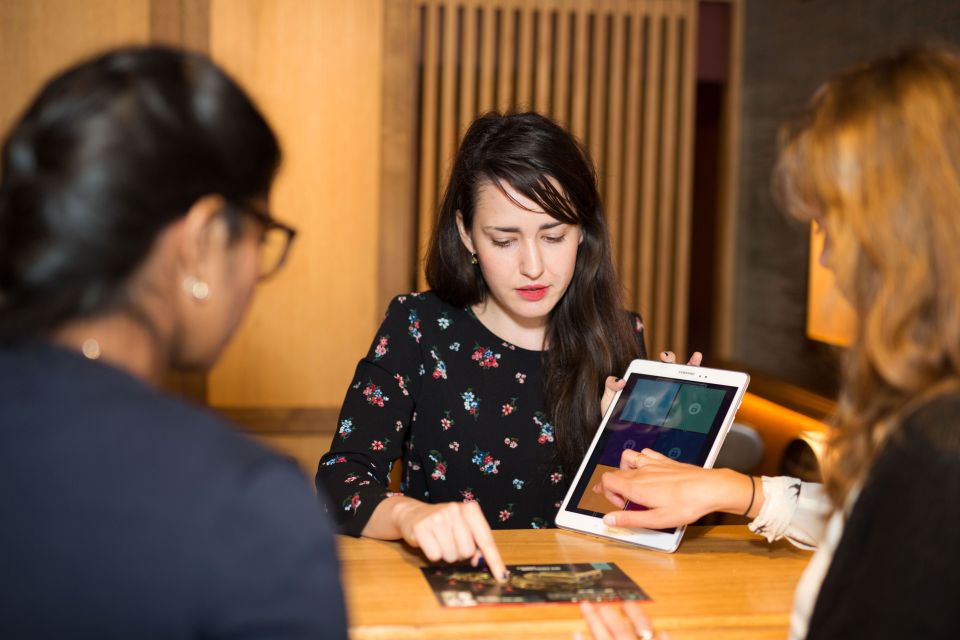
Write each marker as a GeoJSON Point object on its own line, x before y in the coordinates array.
{"type": "Point", "coordinates": [753, 495]}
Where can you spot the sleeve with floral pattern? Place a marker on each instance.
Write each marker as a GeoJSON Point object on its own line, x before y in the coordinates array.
{"type": "Point", "coordinates": [374, 419]}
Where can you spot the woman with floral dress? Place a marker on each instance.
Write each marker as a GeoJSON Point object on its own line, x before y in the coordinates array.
{"type": "Point", "coordinates": [488, 387]}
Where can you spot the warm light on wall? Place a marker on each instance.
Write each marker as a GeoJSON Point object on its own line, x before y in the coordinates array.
{"type": "Point", "coordinates": [829, 317]}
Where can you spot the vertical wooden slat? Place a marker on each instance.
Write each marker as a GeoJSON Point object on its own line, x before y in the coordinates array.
{"type": "Point", "coordinates": [686, 86]}
{"type": "Point", "coordinates": [598, 88]}
{"type": "Point", "coordinates": [428, 134]}
{"type": "Point", "coordinates": [651, 124]}
{"type": "Point", "coordinates": [488, 52]}
{"type": "Point", "coordinates": [506, 70]}
{"type": "Point", "coordinates": [544, 60]}
{"type": "Point", "coordinates": [561, 78]}
{"type": "Point", "coordinates": [723, 330]}
{"type": "Point", "coordinates": [448, 94]}
{"type": "Point", "coordinates": [525, 16]}
{"type": "Point", "coordinates": [632, 151]}
{"type": "Point", "coordinates": [614, 145]}
{"type": "Point", "coordinates": [396, 259]}
{"type": "Point", "coordinates": [468, 69]}
{"type": "Point", "coordinates": [666, 206]}
{"type": "Point", "coordinates": [578, 108]}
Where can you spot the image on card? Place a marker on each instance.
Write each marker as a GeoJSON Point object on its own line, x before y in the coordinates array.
{"type": "Point", "coordinates": [467, 586]}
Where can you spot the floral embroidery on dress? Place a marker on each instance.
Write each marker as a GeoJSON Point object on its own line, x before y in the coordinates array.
{"type": "Point", "coordinates": [455, 445]}
{"type": "Point", "coordinates": [471, 403]}
{"type": "Point", "coordinates": [351, 477]}
{"type": "Point", "coordinates": [447, 422]}
{"type": "Point", "coordinates": [346, 428]}
{"type": "Point", "coordinates": [422, 370]}
{"type": "Point", "coordinates": [352, 503]}
{"type": "Point", "coordinates": [333, 461]}
{"type": "Point", "coordinates": [546, 429]}
{"type": "Point", "coordinates": [468, 495]}
{"type": "Point", "coordinates": [511, 442]}
{"type": "Point", "coordinates": [506, 513]}
{"type": "Point", "coordinates": [454, 346]}
{"type": "Point", "coordinates": [439, 465]}
{"type": "Point", "coordinates": [507, 345]}
{"type": "Point", "coordinates": [521, 377]}
{"type": "Point", "coordinates": [518, 484]}
{"type": "Point", "coordinates": [381, 349]}
{"type": "Point", "coordinates": [557, 476]}
{"type": "Point", "coordinates": [485, 357]}
{"type": "Point", "coordinates": [414, 328]}
{"type": "Point", "coordinates": [403, 382]}
{"type": "Point", "coordinates": [485, 462]}
{"type": "Point", "coordinates": [509, 407]}
{"type": "Point", "coordinates": [374, 395]}
{"type": "Point", "coordinates": [440, 368]}
{"type": "Point", "coordinates": [444, 321]}
{"type": "Point", "coordinates": [538, 523]}
{"type": "Point", "coordinates": [398, 426]}
{"type": "Point", "coordinates": [379, 445]}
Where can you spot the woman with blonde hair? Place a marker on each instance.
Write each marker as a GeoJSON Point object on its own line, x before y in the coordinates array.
{"type": "Point", "coordinates": [874, 162]}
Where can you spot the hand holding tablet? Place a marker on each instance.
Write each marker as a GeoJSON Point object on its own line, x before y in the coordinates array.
{"type": "Point", "coordinates": [683, 413]}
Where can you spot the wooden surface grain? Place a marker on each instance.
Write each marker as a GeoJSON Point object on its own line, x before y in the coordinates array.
{"type": "Point", "coordinates": [723, 583]}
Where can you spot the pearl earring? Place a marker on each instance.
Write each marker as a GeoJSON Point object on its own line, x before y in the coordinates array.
{"type": "Point", "coordinates": [473, 259]}
{"type": "Point", "coordinates": [199, 289]}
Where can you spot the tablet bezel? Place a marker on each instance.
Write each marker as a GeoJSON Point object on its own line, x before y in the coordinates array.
{"type": "Point", "coordinates": [651, 539]}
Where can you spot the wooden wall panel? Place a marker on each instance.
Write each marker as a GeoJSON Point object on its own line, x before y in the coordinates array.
{"type": "Point", "coordinates": [40, 37]}
{"type": "Point", "coordinates": [314, 68]}
{"type": "Point", "coordinates": [620, 74]}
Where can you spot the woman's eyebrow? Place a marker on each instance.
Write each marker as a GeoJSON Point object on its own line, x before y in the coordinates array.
{"type": "Point", "coordinates": [543, 227]}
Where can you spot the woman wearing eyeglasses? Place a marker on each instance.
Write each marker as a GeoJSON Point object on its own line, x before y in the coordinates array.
{"type": "Point", "coordinates": [133, 231]}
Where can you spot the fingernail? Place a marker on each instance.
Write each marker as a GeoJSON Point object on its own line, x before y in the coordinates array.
{"type": "Point", "coordinates": [506, 575]}
{"type": "Point", "coordinates": [610, 520]}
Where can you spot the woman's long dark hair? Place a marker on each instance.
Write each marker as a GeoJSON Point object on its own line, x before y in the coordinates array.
{"type": "Point", "coordinates": [589, 336]}
{"type": "Point", "coordinates": [107, 155]}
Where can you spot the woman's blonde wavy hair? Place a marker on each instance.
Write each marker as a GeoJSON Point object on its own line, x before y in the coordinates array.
{"type": "Point", "coordinates": [875, 159]}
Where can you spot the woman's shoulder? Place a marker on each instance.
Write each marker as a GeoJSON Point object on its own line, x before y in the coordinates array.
{"type": "Point", "coordinates": [425, 303]}
{"type": "Point", "coordinates": [936, 424]}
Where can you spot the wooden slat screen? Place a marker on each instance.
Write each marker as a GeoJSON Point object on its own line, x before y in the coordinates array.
{"type": "Point", "coordinates": [620, 75]}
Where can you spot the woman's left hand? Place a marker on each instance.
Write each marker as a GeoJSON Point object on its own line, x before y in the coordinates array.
{"type": "Point", "coordinates": [613, 385]}
{"type": "Point", "coordinates": [618, 622]}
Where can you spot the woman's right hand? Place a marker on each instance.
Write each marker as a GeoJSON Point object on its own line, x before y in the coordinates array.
{"type": "Point", "coordinates": [674, 493]}
{"type": "Point", "coordinates": [449, 531]}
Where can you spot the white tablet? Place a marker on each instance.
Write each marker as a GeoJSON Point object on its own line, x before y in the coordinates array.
{"type": "Point", "coordinates": [683, 412]}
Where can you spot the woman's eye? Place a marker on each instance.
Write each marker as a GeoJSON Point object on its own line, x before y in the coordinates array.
{"type": "Point", "coordinates": [555, 239]}
{"type": "Point", "coordinates": [501, 243]}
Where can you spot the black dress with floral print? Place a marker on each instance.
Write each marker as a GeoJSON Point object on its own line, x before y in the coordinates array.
{"type": "Point", "coordinates": [463, 410]}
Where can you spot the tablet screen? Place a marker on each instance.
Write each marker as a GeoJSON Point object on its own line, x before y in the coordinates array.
{"type": "Point", "coordinates": [678, 418]}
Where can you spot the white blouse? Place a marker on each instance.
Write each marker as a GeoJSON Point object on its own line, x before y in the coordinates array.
{"type": "Point", "coordinates": [801, 512]}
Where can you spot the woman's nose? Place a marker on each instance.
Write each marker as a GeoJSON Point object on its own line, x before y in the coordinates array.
{"type": "Point", "coordinates": [531, 263]}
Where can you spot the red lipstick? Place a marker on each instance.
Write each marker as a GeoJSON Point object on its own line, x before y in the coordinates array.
{"type": "Point", "coordinates": [533, 292]}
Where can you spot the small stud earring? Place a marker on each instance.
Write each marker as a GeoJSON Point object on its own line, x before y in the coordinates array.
{"type": "Point", "coordinates": [473, 259]}
{"type": "Point", "coordinates": [199, 289]}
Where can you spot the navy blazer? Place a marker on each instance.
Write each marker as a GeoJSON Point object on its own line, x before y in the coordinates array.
{"type": "Point", "coordinates": [127, 513]}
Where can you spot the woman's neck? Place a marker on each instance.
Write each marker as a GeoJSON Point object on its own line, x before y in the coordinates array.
{"type": "Point", "coordinates": [119, 340]}
{"type": "Point", "coordinates": [526, 333]}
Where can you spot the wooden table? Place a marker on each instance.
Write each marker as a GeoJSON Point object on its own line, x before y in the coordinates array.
{"type": "Point", "coordinates": [723, 583]}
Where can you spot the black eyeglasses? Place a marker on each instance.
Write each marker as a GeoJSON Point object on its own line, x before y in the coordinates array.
{"type": "Point", "coordinates": [275, 244]}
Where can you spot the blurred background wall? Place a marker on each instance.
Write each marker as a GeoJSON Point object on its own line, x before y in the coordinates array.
{"type": "Point", "coordinates": [676, 100]}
